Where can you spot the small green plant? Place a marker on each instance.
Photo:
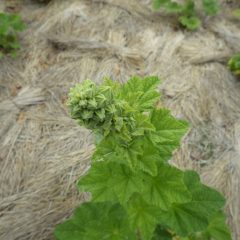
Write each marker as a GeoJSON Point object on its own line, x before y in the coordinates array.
{"type": "Point", "coordinates": [187, 14]}
{"type": "Point", "coordinates": [136, 193]}
{"type": "Point", "coordinates": [234, 64]}
{"type": "Point", "coordinates": [236, 12]}
{"type": "Point", "coordinates": [10, 25]}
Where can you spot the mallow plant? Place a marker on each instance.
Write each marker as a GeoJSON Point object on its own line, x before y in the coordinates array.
{"type": "Point", "coordinates": [188, 16]}
{"type": "Point", "coordinates": [136, 194]}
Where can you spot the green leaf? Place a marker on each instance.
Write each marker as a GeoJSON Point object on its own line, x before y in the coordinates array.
{"type": "Point", "coordinates": [211, 7]}
{"type": "Point", "coordinates": [142, 216]}
{"type": "Point", "coordinates": [191, 23]}
{"type": "Point", "coordinates": [109, 149]}
{"type": "Point", "coordinates": [159, 3]}
{"type": "Point", "coordinates": [111, 181]}
{"type": "Point", "coordinates": [93, 221]}
{"type": "Point", "coordinates": [97, 181]}
{"type": "Point", "coordinates": [141, 94]}
{"type": "Point", "coordinates": [184, 219]}
{"type": "Point", "coordinates": [218, 229]}
{"type": "Point", "coordinates": [148, 160]}
{"type": "Point", "coordinates": [161, 234]}
{"type": "Point", "coordinates": [193, 216]}
{"type": "Point", "coordinates": [126, 182]}
{"type": "Point", "coordinates": [173, 7]}
{"type": "Point", "coordinates": [168, 134]}
{"type": "Point", "coordinates": [143, 124]}
{"type": "Point", "coordinates": [166, 188]}
{"type": "Point", "coordinates": [16, 22]}
{"type": "Point", "coordinates": [142, 155]}
{"type": "Point", "coordinates": [207, 199]}
{"type": "Point", "coordinates": [69, 231]}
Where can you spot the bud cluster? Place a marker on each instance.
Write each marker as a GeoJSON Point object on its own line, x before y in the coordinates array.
{"type": "Point", "coordinates": [97, 108]}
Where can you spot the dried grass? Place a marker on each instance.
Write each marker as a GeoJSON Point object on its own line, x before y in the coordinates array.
{"type": "Point", "coordinates": [43, 152]}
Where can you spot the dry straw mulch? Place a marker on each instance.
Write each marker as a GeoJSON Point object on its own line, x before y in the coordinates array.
{"type": "Point", "coordinates": [43, 152]}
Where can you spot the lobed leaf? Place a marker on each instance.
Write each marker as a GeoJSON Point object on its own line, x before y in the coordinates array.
{"type": "Point", "coordinates": [141, 94]}
{"type": "Point", "coordinates": [147, 161]}
{"type": "Point", "coordinates": [217, 228]}
{"type": "Point", "coordinates": [168, 133]}
{"type": "Point", "coordinates": [93, 221]}
{"type": "Point", "coordinates": [111, 182]}
{"type": "Point", "coordinates": [97, 181]}
{"type": "Point", "coordinates": [142, 216]}
{"type": "Point", "coordinates": [166, 188]}
{"type": "Point", "coordinates": [193, 216]}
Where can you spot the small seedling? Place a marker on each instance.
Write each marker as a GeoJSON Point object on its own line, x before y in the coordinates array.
{"type": "Point", "coordinates": [186, 12]}
{"type": "Point", "coordinates": [234, 64]}
{"type": "Point", "coordinates": [10, 25]}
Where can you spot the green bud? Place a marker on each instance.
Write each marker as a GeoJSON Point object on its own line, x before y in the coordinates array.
{"type": "Point", "coordinates": [111, 109]}
{"type": "Point", "coordinates": [101, 100]}
{"type": "Point", "coordinates": [119, 123]}
{"type": "Point", "coordinates": [92, 104]}
{"type": "Point", "coordinates": [98, 108]}
{"type": "Point", "coordinates": [100, 114]}
{"type": "Point", "coordinates": [82, 103]}
{"type": "Point", "coordinates": [87, 114]}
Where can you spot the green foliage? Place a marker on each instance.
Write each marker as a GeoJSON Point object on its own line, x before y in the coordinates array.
{"type": "Point", "coordinates": [186, 12]}
{"type": "Point", "coordinates": [236, 12]}
{"type": "Point", "coordinates": [234, 64]}
{"type": "Point", "coordinates": [136, 193]}
{"type": "Point", "coordinates": [193, 215]}
{"type": "Point", "coordinates": [99, 109]}
{"type": "Point", "coordinates": [10, 25]}
{"type": "Point", "coordinates": [92, 221]}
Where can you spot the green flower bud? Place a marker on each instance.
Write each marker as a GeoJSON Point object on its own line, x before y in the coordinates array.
{"type": "Point", "coordinates": [101, 114]}
{"type": "Point", "coordinates": [97, 108]}
{"type": "Point", "coordinates": [101, 100]}
{"type": "Point", "coordinates": [82, 103]}
{"type": "Point", "coordinates": [119, 123]}
{"type": "Point", "coordinates": [92, 104]}
{"type": "Point", "coordinates": [87, 114]}
{"type": "Point", "coordinates": [112, 109]}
